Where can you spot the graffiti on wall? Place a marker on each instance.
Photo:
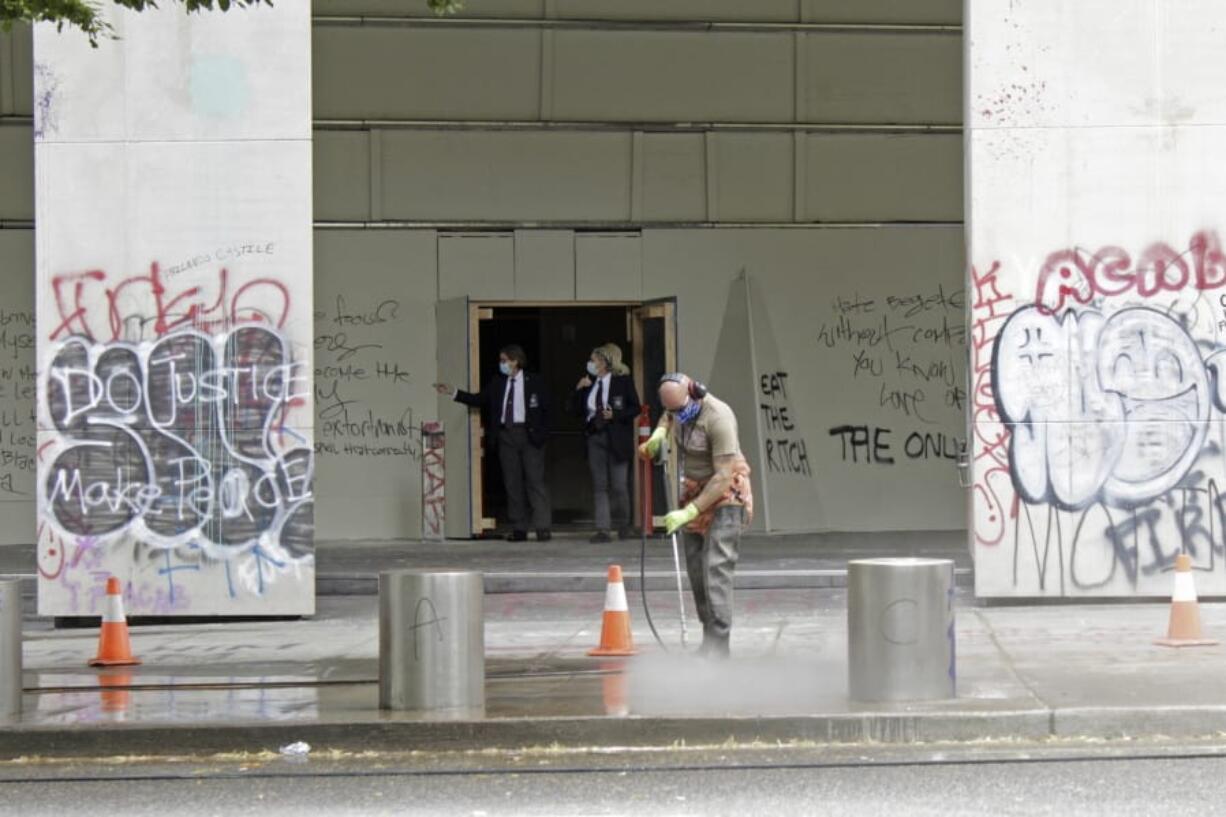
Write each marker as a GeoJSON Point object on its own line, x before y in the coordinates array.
{"type": "Point", "coordinates": [904, 354]}
{"type": "Point", "coordinates": [172, 419]}
{"type": "Point", "coordinates": [1099, 417]}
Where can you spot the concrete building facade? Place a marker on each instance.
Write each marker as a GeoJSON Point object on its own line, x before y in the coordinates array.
{"type": "Point", "coordinates": [767, 195]}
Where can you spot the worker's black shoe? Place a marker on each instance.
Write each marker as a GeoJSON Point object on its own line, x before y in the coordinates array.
{"type": "Point", "coordinates": [543, 535]}
{"type": "Point", "coordinates": [601, 537]}
{"type": "Point", "coordinates": [517, 536]}
{"type": "Point", "coordinates": [716, 647]}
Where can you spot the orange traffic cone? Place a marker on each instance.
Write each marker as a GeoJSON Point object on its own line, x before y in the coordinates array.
{"type": "Point", "coordinates": [114, 647]}
{"type": "Point", "coordinates": [615, 638]}
{"type": "Point", "coordinates": [1184, 630]}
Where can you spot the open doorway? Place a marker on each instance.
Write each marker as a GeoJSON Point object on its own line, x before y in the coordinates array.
{"type": "Point", "coordinates": [558, 339]}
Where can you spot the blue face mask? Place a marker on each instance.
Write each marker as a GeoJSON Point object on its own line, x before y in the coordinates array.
{"type": "Point", "coordinates": [504, 367]}
{"type": "Point", "coordinates": [688, 412]}
{"type": "Point", "coordinates": [592, 370]}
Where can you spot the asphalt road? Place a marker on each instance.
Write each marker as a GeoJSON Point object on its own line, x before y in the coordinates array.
{"type": "Point", "coordinates": [1013, 780]}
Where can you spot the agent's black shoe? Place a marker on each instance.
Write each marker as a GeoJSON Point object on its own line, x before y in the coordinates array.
{"type": "Point", "coordinates": [517, 536]}
{"type": "Point", "coordinates": [627, 533]}
{"type": "Point", "coordinates": [543, 536]}
{"type": "Point", "coordinates": [601, 537]}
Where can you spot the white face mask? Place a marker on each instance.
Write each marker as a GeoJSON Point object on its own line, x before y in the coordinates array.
{"type": "Point", "coordinates": [504, 367]}
{"type": "Point", "coordinates": [592, 370]}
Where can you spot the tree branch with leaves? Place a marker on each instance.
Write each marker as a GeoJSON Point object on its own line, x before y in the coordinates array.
{"type": "Point", "coordinates": [86, 15]}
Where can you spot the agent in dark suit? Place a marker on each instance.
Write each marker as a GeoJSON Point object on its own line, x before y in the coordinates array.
{"type": "Point", "coordinates": [517, 411]}
{"type": "Point", "coordinates": [608, 403]}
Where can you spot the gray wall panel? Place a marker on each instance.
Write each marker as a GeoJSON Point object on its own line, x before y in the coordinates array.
{"type": "Point", "coordinates": [753, 177]}
{"type": "Point", "coordinates": [884, 178]}
{"type": "Point", "coordinates": [17, 179]}
{"type": "Point", "coordinates": [544, 265]}
{"type": "Point", "coordinates": [883, 78]}
{"type": "Point", "coordinates": [608, 267]}
{"type": "Point", "coordinates": [670, 76]}
{"type": "Point", "coordinates": [418, 8]}
{"type": "Point", "coordinates": [500, 175]}
{"type": "Point", "coordinates": [947, 12]}
{"type": "Point", "coordinates": [374, 365]}
{"type": "Point", "coordinates": [480, 265]}
{"type": "Point", "coordinates": [342, 175]}
{"type": "Point", "coordinates": [426, 74]}
{"type": "Point", "coordinates": [674, 177]}
{"type": "Point", "coordinates": [17, 384]}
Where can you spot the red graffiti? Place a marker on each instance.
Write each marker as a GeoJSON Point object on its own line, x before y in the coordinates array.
{"type": "Point", "coordinates": [143, 306]}
{"type": "Point", "coordinates": [1081, 276]}
{"type": "Point", "coordinates": [52, 546]}
{"type": "Point", "coordinates": [992, 487]}
{"type": "Point", "coordinates": [434, 481]}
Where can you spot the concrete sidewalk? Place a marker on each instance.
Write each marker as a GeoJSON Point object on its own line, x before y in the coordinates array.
{"type": "Point", "coordinates": [1023, 673]}
{"type": "Point", "coordinates": [571, 563]}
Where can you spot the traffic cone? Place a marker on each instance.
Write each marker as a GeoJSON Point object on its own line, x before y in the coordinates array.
{"type": "Point", "coordinates": [615, 638]}
{"type": "Point", "coordinates": [1184, 629]}
{"type": "Point", "coordinates": [114, 647]}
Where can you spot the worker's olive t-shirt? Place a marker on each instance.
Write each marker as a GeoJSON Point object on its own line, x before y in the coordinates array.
{"type": "Point", "coordinates": [713, 433]}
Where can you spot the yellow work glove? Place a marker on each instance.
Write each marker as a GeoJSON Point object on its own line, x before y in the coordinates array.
{"type": "Point", "coordinates": [675, 520]}
{"type": "Point", "coordinates": [649, 449]}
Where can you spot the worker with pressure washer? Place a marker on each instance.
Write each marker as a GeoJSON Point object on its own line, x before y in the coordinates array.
{"type": "Point", "coordinates": [715, 503]}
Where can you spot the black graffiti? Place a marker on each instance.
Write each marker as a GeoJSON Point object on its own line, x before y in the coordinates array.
{"type": "Point", "coordinates": [788, 456]}
{"type": "Point", "coordinates": [928, 446]}
{"type": "Point", "coordinates": [787, 453]}
{"type": "Point", "coordinates": [864, 444]}
{"type": "Point", "coordinates": [187, 437]}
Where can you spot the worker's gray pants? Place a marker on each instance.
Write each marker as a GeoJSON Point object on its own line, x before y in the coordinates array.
{"type": "Point", "coordinates": [711, 563]}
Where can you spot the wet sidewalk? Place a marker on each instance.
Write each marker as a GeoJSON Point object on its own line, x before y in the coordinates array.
{"type": "Point", "coordinates": [570, 563]}
{"type": "Point", "coordinates": [1023, 672]}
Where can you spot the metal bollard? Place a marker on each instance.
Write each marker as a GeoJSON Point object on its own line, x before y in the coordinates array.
{"type": "Point", "coordinates": [900, 629]}
{"type": "Point", "coordinates": [432, 641]}
{"type": "Point", "coordinates": [10, 648]}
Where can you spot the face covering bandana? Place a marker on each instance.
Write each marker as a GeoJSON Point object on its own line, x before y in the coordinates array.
{"type": "Point", "coordinates": [688, 412]}
{"type": "Point", "coordinates": [591, 369]}
{"type": "Point", "coordinates": [504, 367]}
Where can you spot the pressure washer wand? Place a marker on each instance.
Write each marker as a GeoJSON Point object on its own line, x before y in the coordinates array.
{"type": "Point", "coordinates": [675, 492]}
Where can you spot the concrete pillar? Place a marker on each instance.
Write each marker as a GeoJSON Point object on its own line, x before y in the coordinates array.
{"type": "Point", "coordinates": [174, 327]}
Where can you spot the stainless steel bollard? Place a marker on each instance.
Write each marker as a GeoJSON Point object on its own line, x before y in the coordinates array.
{"type": "Point", "coordinates": [10, 648]}
{"type": "Point", "coordinates": [432, 641]}
{"type": "Point", "coordinates": [900, 629]}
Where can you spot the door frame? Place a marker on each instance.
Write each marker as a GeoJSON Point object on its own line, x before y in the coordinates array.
{"type": "Point", "coordinates": [484, 309]}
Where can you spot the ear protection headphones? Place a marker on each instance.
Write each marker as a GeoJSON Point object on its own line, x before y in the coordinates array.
{"type": "Point", "coordinates": [697, 390]}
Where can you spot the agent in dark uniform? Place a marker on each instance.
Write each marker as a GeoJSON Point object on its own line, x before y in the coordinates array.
{"type": "Point", "coordinates": [517, 410]}
{"type": "Point", "coordinates": [609, 404]}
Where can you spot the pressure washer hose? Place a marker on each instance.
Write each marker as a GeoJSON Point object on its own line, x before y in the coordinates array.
{"type": "Point", "coordinates": [643, 589]}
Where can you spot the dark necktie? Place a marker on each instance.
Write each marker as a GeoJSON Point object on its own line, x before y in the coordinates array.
{"type": "Point", "coordinates": [508, 405]}
{"type": "Point", "coordinates": [600, 399]}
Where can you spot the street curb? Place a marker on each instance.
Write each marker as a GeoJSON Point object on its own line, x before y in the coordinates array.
{"type": "Point", "coordinates": [513, 734]}
{"type": "Point", "coordinates": [519, 733]}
